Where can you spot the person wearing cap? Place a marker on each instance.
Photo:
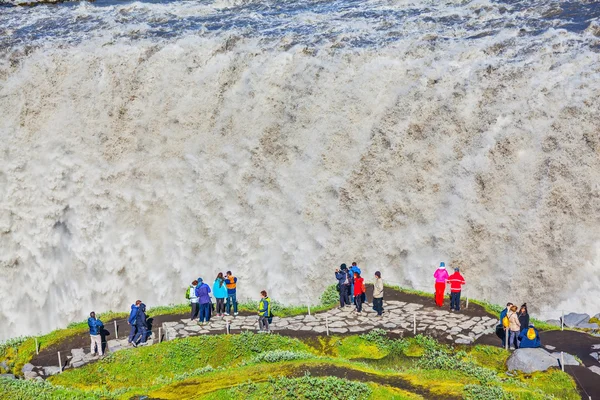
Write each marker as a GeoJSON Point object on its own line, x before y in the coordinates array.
{"type": "Point", "coordinates": [441, 276]}
{"type": "Point", "coordinates": [456, 281]}
{"type": "Point", "coordinates": [202, 292]}
{"type": "Point", "coordinates": [378, 294]}
{"type": "Point", "coordinates": [344, 281]}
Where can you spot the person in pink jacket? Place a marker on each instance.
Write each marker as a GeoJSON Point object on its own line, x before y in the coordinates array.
{"type": "Point", "coordinates": [441, 276]}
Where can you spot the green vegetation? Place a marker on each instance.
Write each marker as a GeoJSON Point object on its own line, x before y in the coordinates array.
{"type": "Point", "coordinates": [254, 366]}
{"type": "Point", "coordinates": [19, 351]}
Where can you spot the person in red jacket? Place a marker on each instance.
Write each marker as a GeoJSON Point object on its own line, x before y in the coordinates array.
{"type": "Point", "coordinates": [456, 281]}
{"type": "Point", "coordinates": [359, 291]}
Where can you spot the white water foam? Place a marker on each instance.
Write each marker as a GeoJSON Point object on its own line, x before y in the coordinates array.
{"type": "Point", "coordinates": [130, 166]}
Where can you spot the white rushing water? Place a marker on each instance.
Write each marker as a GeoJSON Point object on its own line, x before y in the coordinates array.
{"type": "Point", "coordinates": [143, 145]}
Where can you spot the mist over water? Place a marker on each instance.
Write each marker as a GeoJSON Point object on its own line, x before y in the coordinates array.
{"type": "Point", "coordinates": [145, 144]}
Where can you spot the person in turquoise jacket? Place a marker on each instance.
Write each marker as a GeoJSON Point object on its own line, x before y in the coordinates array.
{"type": "Point", "coordinates": [220, 293]}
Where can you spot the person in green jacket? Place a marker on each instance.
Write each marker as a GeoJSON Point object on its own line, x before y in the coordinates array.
{"type": "Point", "coordinates": [264, 312]}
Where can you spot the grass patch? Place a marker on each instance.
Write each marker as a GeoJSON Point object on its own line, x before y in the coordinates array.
{"type": "Point", "coordinates": [142, 367]}
{"type": "Point", "coordinates": [305, 388]}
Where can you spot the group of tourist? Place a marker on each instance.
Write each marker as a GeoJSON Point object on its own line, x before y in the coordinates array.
{"type": "Point", "coordinates": [516, 328]}
{"type": "Point", "coordinates": [224, 290]}
{"type": "Point", "coordinates": [514, 324]}
{"type": "Point", "coordinates": [455, 280]}
{"type": "Point", "coordinates": [351, 287]}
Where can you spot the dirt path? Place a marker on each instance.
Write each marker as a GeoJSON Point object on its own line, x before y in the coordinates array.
{"type": "Point", "coordinates": [576, 343]}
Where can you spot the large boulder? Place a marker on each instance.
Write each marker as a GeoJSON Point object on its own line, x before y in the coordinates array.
{"type": "Point", "coordinates": [531, 360]}
{"type": "Point", "coordinates": [573, 319]}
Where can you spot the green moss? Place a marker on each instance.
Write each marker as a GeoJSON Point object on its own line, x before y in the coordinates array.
{"type": "Point", "coordinates": [489, 356]}
{"type": "Point", "coordinates": [142, 367]}
{"type": "Point", "coordinates": [353, 347]}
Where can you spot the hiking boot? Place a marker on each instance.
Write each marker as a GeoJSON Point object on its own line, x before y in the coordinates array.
{"type": "Point", "coordinates": [227, 313]}
{"type": "Point", "coordinates": [235, 313]}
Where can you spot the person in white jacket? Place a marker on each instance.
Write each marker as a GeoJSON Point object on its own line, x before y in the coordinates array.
{"type": "Point", "coordinates": [193, 300]}
{"type": "Point", "coordinates": [378, 294]}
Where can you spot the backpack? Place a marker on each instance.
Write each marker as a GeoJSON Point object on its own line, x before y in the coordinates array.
{"type": "Point", "coordinates": [531, 334]}
{"type": "Point", "coordinates": [187, 293]}
{"type": "Point", "coordinates": [505, 322]}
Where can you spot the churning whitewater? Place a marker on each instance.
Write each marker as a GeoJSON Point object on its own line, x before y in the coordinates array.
{"type": "Point", "coordinates": [144, 144]}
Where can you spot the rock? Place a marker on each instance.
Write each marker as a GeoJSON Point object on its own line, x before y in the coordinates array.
{"type": "Point", "coordinates": [550, 347]}
{"type": "Point", "coordinates": [569, 359]}
{"type": "Point", "coordinates": [531, 360]}
{"type": "Point", "coordinates": [463, 341]}
{"type": "Point", "coordinates": [3, 366]}
{"type": "Point", "coordinates": [49, 371]}
{"type": "Point", "coordinates": [595, 369]}
{"type": "Point", "coordinates": [77, 353]}
{"type": "Point", "coordinates": [30, 375]}
{"type": "Point", "coordinates": [7, 376]}
{"type": "Point", "coordinates": [587, 325]}
{"type": "Point", "coordinates": [596, 347]}
{"type": "Point", "coordinates": [78, 364]}
{"type": "Point", "coordinates": [27, 368]}
{"type": "Point", "coordinates": [595, 355]}
{"type": "Point", "coordinates": [573, 319]}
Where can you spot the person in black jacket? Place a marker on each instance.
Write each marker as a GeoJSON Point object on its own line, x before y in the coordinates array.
{"type": "Point", "coordinates": [524, 317]}
{"type": "Point", "coordinates": [141, 325]}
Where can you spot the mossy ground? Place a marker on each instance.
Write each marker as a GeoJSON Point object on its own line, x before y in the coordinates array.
{"type": "Point", "coordinates": [253, 366]}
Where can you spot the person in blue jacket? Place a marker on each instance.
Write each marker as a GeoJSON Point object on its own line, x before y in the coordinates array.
{"type": "Point", "coordinates": [500, 330]}
{"type": "Point", "coordinates": [96, 327]}
{"type": "Point", "coordinates": [353, 270]}
{"type": "Point", "coordinates": [220, 293]}
{"type": "Point", "coordinates": [141, 326]}
{"type": "Point", "coordinates": [525, 338]}
{"type": "Point", "coordinates": [344, 283]}
{"type": "Point", "coordinates": [203, 294]}
{"type": "Point", "coordinates": [131, 320]}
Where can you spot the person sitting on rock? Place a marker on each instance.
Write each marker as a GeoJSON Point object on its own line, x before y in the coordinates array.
{"type": "Point", "coordinates": [529, 338]}
{"type": "Point", "coordinates": [514, 328]}
{"type": "Point", "coordinates": [96, 327]}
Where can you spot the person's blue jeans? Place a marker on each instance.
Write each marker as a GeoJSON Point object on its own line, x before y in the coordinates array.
{"type": "Point", "coordinates": [231, 299]}
{"type": "Point", "coordinates": [513, 339]}
{"type": "Point", "coordinates": [352, 293]}
{"type": "Point", "coordinates": [204, 312]}
{"type": "Point", "coordinates": [455, 301]}
{"type": "Point", "coordinates": [132, 331]}
{"type": "Point", "coordinates": [141, 335]}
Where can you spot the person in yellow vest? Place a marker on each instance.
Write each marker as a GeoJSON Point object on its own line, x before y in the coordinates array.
{"type": "Point", "coordinates": [231, 283]}
{"type": "Point", "coordinates": [264, 312]}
